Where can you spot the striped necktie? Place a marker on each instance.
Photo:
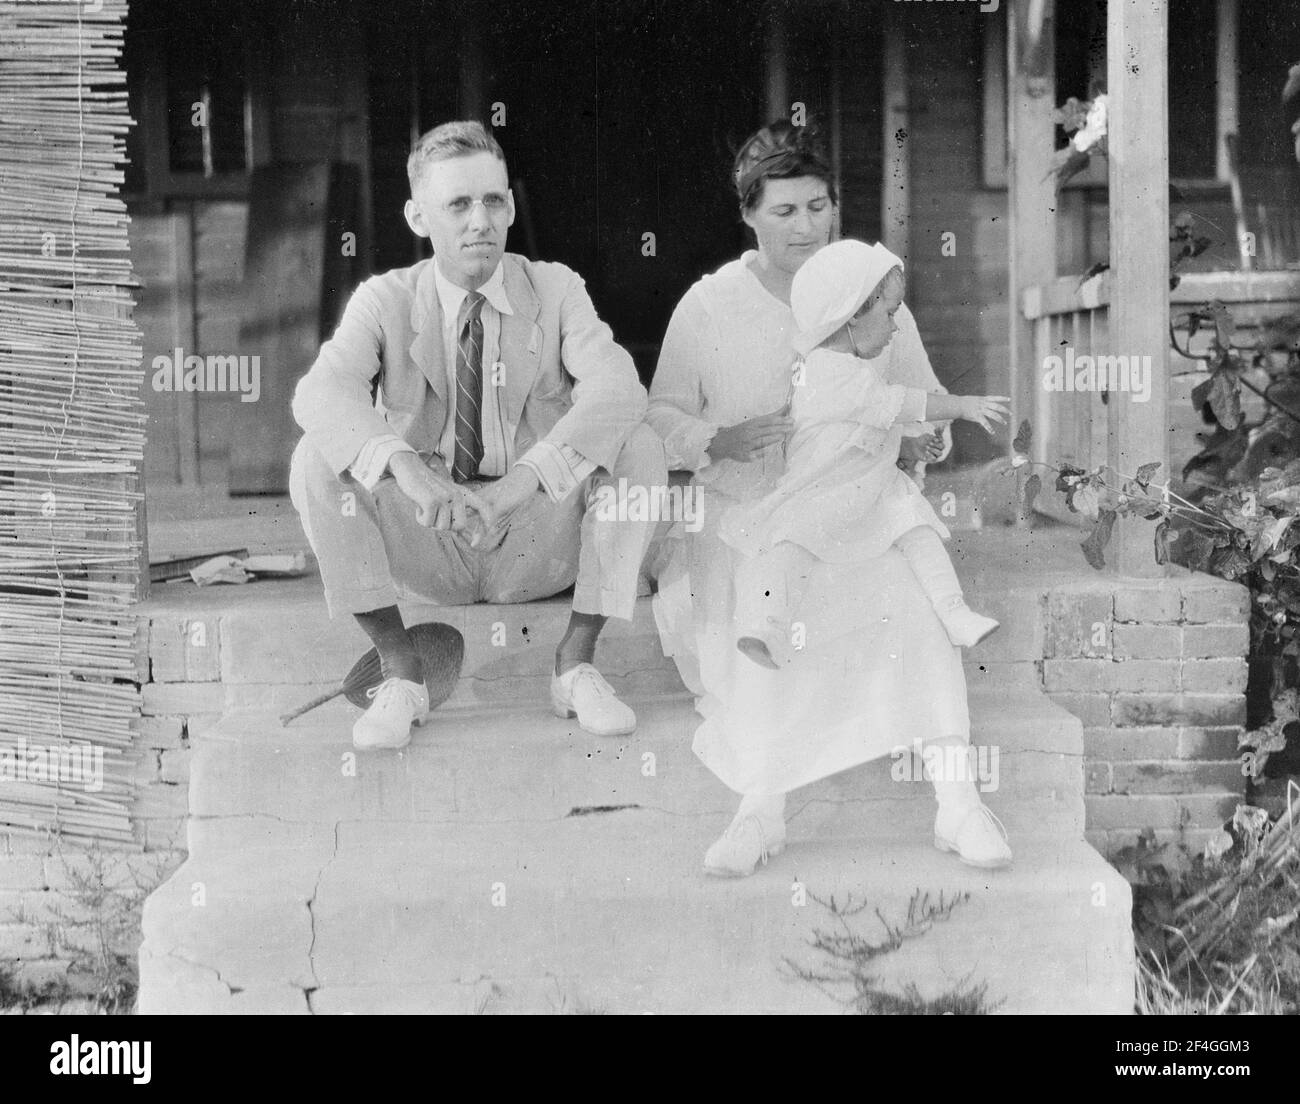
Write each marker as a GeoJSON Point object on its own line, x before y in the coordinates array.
{"type": "Point", "coordinates": [469, 391]}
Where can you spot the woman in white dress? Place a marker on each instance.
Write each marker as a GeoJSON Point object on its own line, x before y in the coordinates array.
{"type": "Point", "coordinates": [884, 675]}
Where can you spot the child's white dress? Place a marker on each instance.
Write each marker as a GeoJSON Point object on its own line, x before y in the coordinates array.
{"type": "Point", "coordinates": [842, 496]}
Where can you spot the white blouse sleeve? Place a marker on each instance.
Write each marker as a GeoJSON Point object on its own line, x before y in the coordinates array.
{"type": "Point", "coordinates": [677, 402]}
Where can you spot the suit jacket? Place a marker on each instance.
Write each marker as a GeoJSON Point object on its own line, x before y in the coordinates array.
{"type": "Point", "coordinates": [566, 380]}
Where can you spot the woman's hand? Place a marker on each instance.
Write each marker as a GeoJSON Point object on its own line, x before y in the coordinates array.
{"type": "Point", "coordinates": [924, 449]}
{"type": "Point", "coordinates": [746, 440]}
{"type": "Point", "coordinates": [985, 410]}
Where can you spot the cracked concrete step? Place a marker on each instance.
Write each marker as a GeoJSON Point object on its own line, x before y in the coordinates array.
{"type": "Point", "coordinates": [605, 912]}
{"type": "Point", "coordinates": [526, 763]}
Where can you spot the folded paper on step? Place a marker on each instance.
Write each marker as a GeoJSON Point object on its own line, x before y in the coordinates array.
{"type": "Point", "coordinates": [228, 569]}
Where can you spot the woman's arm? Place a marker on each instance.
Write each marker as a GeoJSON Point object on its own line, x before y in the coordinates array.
{"type": "Point", "coordinates": [676, 392]}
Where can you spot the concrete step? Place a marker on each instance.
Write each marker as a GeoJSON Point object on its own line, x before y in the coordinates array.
{"type": "Point", "coordinates": [279, 632]}
{"type": "Point", "coordinates": [484, 766]}
{"type": "Point", "coordinates": [607, 912]}
{"type": "Point", "coordinates": [508, 861]}
{"type": "Point", "coordinates": [481, 692]}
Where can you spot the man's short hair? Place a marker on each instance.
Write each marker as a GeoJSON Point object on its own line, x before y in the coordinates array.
{"type": "Point", "coordinates": [456, 139]}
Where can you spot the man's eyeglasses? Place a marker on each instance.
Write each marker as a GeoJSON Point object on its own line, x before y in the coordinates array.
{"type": "Point", "coordinates": [494, 203]}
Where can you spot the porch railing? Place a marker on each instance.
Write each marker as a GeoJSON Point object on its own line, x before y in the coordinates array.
{"type": "Point", "coordinates": [1071, 320]}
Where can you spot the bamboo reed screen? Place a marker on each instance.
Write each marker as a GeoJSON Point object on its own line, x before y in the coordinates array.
{"type": "Point", "coordinates": [71, 424]}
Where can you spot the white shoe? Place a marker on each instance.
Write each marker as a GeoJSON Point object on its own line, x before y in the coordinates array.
{"type": "Point", "coordinates": [582, 692]}
{"type": "Point", "coordinates": [965, 627]}
{"type": "Point", "coordinates": [396, 705]}
{"type": "Point", "coordinates": [975, 834]}
{"type": "Point", "coordinates": [742, 847]}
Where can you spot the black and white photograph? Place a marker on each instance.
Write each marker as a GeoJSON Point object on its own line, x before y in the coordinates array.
{"type": "Point", "coordinates": [672, 507]}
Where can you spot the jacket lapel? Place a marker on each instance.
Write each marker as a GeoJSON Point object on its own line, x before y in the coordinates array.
{"type": "Point", "coordinates": [426, 324]}
{"type": "Point", "coordinates": [521, 339]}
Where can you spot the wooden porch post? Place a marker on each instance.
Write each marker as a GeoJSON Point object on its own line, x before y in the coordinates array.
{"type": "Point", "coordinates": [1137, 32]}
{"type": "Point", "coordinates": [472, 99]}
{"type": "Point", "coordinates": [778, 86]}
{"type": "Point", "coordinates": [1031, 133]}
{"type": "Point", "coordinates": [894, 199]}
{"type": "Point", "coordinates": [1226, 85]}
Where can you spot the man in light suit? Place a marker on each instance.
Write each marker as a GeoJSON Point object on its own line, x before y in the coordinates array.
{"type": "Point", "coordinates": [457, 426]}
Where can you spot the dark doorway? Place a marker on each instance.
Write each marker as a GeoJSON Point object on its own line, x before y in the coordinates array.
{"type": "Point", "coordinates": [620, 118]}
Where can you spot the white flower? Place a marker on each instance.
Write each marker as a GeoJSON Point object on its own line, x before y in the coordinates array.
{"type": "Point", "coordinates": [1094, 126]}
{"type": "Point", "coordinates": [1019, 461]}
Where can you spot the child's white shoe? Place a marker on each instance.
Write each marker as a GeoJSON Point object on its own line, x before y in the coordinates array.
{"type": "Point", "coordinates": [965, 627]}
{"type": "Point", "coordinates": [745, 843]}
{"type": "Point", "coordinates": [975, 834]}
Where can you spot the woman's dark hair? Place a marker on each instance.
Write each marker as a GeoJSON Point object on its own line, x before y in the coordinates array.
{"type": "Point", "coordinates": [780, 151]}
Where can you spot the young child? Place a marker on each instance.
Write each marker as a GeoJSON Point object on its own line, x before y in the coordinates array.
{"type": "Point", "coordinates": [842, 497]}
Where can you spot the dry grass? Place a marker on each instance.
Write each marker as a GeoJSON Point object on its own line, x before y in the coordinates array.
{"type": "Point", "coordinates": [1220, 934]}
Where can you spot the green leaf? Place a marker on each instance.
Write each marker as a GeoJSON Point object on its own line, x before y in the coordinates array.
{"type": "Point", "coordinates": [1145, 472]}
{"type": "Point", "coordinates": [1024, 435]}
{"type": "Point", "coordinates": [1285, 497]}
{"type": "Point", "coordinates": [1068, 163]}
{"type": "Point", "coordinates": [1193, 548]}
{"type": "Point", "coordinates": [1030, 492]}
{"type": "Point", "coordinates": [1286, 706]}
{"type": "Point", "coordinates": [1225, 399]}
{"type": "Point", "coordinates": [1230, 563]}
{"type": "Point", "coordinates": [1201, 393]}
{"type": "Point", "coordinates": [1223, 324]}
{"type": "Point", "coordinates": [1068, 477]}
{"type": "Point", "coordinates": [1086, 501]}
{"type": "Point", "coordinates": [1162, 543]}
{"type": "Point", "coordinates": [1098, 539]}
{"type": "Point", "coordinates": [1095, 270]}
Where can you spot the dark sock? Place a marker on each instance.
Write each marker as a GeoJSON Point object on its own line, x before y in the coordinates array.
{"type": "Point", "coordinates": [579, 642]}
{"type": "Point", "coordinates": [397, 657]}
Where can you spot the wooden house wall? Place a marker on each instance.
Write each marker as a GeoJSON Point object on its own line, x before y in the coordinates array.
{"type": "Point", "coordinates": [308, 88]}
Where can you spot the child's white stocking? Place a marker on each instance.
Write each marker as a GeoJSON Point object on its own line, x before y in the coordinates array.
{"type": "Point", "coordinates": [924, 551]}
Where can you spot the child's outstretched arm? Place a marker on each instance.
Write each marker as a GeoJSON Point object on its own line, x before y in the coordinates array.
{"type": "Point", "coordinates": [881, 405]}
{"type": "Point", "coordinates": [984, 410]}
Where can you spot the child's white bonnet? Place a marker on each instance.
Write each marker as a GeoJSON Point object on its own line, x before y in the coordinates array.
{"type": "Point", "coordinates": [832, 284]}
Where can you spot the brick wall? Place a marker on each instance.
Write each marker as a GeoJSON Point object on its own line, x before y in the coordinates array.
{"type": "Point", "coordinates": [1157, 673]}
